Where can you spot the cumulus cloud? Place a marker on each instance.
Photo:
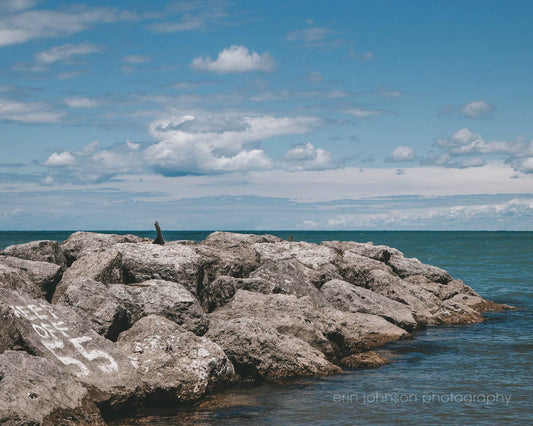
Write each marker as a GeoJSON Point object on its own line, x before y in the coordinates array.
{"type": "Point", "coordinates": [216, 143]}
{"type": "Point", "coordinates": [81, 102]}
{"type": "Point", "coordinates": [235, 59]}
{"type": "Point", "coordinates": [403, 153]}
{"type": "Point", "coordinates": [65, 52]}
{"type": "Point", "coordinates": [307, 157]}
{"type": "Point", "coordinates": [477, 109]}
{"type": "Point", "coordinates": [465, 148]}
{"type": "Point", "coordinates": [28, 112]}
{"type": "Point", "coordinates": [200, 144]}
{"type": "Point", "coordinates": [28, 25]}
{"type": "Point", "coordinates": [60, 159]}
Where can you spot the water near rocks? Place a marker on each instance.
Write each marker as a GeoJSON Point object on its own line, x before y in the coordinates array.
{"type": "Point", "coordinates": [476, 374]}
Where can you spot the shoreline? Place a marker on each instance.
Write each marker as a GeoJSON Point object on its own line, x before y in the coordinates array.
{"type": "Point", "coordinates": [228, 286]}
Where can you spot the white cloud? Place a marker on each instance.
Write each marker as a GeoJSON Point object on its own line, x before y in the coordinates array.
{"type": "Point", "coordinates": [307, 157]}
{"type": "Point", "coordinates": [362, 112]}
{"type": "Point", "coordinates": [420, 217]}
{"type": "Point", "coordinates": [215, 143]}
{"type": "Point", "coordinates": [235, 59]}
{"type": "Point", "coordinates": [136, 59]}
{"type": "Point", "coordinates": [132, 146]}
{"type": "Point", "coordinates": [477, 109]}
{"type": "Point", "coordinates": [308, 34]}
{"type": "Point", "coordinates": [88, 149]}
{"type": "Point", "coordinates": [65, 52]}
{"type": "Point", "coordinates": [464, 149]}
{"type": "Point", "coordinates": [28, 112]}
{"type": "Point", "coordinates": [403, 153]}
{"type": "Point", "coordinates": [37, 24]}
{"type": "Point", "coordinates": [62, 159]}
{"type": "Point", "coordinates": [81, 102]}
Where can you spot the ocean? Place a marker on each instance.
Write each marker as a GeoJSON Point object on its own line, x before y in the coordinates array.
{"type": "Point", "coordinates": [478, 374]}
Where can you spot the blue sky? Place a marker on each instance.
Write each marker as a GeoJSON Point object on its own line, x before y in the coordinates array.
{"type": "Point", "coordinates": [254, 115]}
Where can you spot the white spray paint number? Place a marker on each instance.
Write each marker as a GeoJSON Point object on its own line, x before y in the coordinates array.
{"type": "Point", "coordinates": [54, 337]}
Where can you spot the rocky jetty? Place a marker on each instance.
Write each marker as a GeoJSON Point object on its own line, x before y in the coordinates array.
{"type": "Point", "coordinates": [101, 324]}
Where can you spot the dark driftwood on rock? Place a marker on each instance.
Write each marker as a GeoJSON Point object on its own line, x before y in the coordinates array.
{"type": "Point", "coordinates": [159, 239]}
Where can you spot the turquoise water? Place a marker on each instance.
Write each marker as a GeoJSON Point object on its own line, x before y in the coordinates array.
{"type": "Point", "coordinates": [478, 374]}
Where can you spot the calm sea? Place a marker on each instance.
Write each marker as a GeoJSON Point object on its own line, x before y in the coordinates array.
{"type": "Point", "coordinates": [478, 374]}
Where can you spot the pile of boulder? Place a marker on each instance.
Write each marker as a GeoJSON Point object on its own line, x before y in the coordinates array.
{"type": "Point", "coordinates": [103, 323]}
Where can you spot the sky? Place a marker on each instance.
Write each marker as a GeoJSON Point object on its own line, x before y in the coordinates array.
{"type": "Point", "coordinates": [208, 114]}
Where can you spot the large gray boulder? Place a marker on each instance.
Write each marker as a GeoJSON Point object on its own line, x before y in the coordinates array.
{"type": "Point", "coordinates": [283, 277]}
{"type": "Point", "coordinates": [164, 298]}
{"type": "Point", "coordinates": [34, 390]}
{"type": "Point", "coordinates": [44, 275]}
{"type": "Point", "coordinates": [350, 298]}
{"type": "Point", "coordinates": [39, 251]}
{"type": "Point", "coordinates": [96, 303]}
{"type": "Point", "coordinates": [15, 279]}
{"type": "Point", "coordinates": [59, 334]}
{"type": "Point", "coordinates": [421, 297]}
{"type": "Point", "coordinates": [380, 253]}
{"type": "Point", "coordinates": [405, 267]}
{"type": "Point", "coordinates": [230, 254]}
{"type": "Point", "coordinates": [171, 262]}
{"type": "Point", "coordinates": [259, 352]}
{"type": "Point", "coordinates": [319, 259]}
{"type": "Point", "coordinates": [334, 333]}
{"type": "Point", "coordinates": [81, 240]}
{"type": "Point", "coordinates": [104, 266]}
{"type": "Point", "coordinates": [173, 362]}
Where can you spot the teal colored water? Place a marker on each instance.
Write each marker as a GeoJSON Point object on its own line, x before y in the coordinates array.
{"type": "Point", "coordinates": [478, 374]}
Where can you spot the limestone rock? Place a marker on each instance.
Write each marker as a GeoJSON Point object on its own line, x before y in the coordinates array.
{"type": "Point", "coordinates": [59, 334]}
{"type": "Point", "coordinates": [172, 361]}
{"type": "Point", "coordinates": [18, 280]}
{"type": "Point", "coordinates": [100, 265]}
{"type": "Point", "coordinates": [43, 274]}
{"type": "Point", "coordinates": [329, 330]}
{"type": "Point", "coordinates": [33, 390]}
{"type": "Point", "coordinates": [96, 303]}
{"type": "Point", "coordinates": [80, 241]}
{"type": "Point", "coordinates": [259, 352]}
{"type": "Point", "coordinates": [405, 267]}
{"type": "Point", "coordinates": [164, 298]}
{"type": "Point", "coordinates": [350, 298]}
{"type": "Point", "coordinates": [39, 251]}
{"type": "Point", "coordinates": [368, 359]}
